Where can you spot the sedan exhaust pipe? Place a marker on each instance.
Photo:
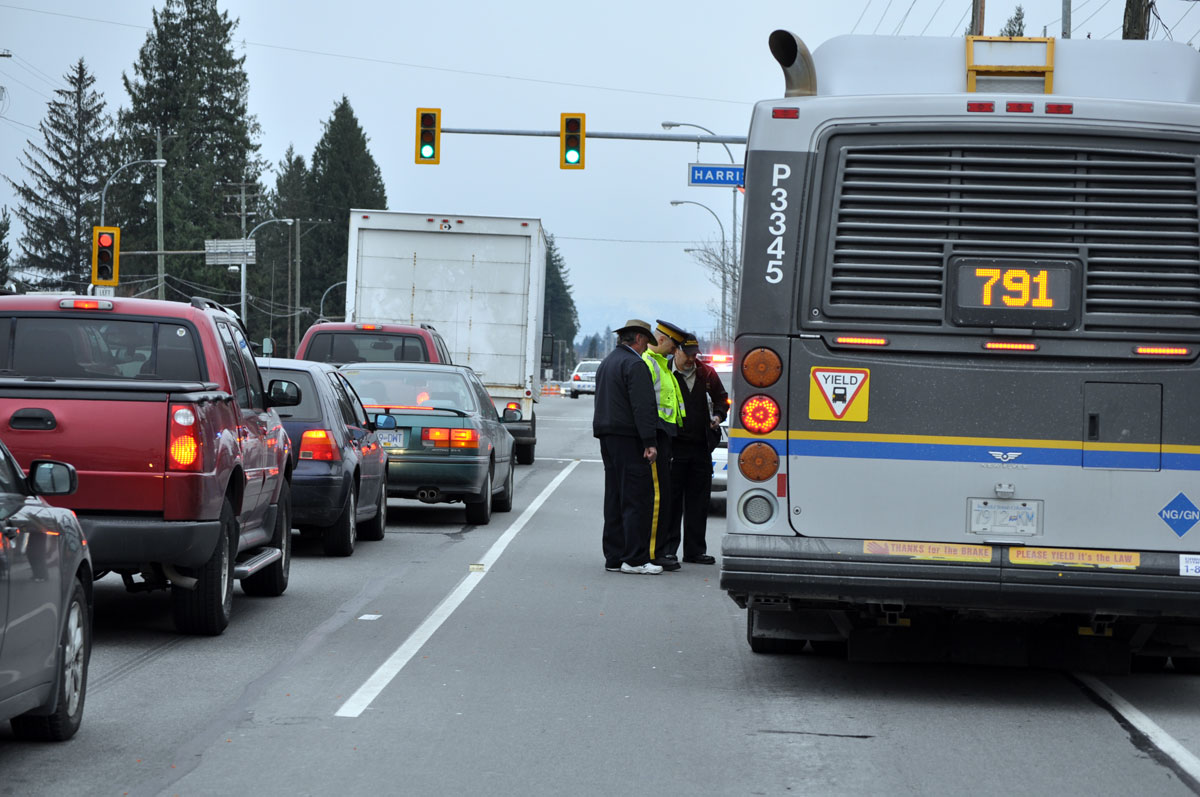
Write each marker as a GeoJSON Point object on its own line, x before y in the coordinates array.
{"type": "Point", "coordinates": [428, 494]}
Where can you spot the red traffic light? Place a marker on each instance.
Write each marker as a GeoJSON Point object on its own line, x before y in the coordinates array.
{"type": "Point", "coordinates": [105, 239]}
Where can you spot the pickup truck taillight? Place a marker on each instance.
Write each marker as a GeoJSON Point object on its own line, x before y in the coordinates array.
{"type": "Point", "coordinates": [183, 440]}
{"type": "Point", "coordinates": [318, 444]}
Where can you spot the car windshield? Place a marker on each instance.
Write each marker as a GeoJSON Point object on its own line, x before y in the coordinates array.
{"type": "Point", "coordinates": [382, 388]}
{"type": "Point", "coordinates": [67, 347]}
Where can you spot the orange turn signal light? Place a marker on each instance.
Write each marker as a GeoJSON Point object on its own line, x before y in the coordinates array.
{"type": "Point", "coordinates": [758, 462]}
{"type": "Point", "coordinates": [762, 367]}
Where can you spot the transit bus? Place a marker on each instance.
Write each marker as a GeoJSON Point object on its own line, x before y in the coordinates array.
{"type": "Point", "coordinates": [966, 382]}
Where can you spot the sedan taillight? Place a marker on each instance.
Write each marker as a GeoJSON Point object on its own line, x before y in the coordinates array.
{"type": "Point", "coordinates": [318, 444]}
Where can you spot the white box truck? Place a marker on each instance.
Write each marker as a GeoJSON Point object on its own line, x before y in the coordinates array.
{"type": "Point", "coordinates": [480, 281]}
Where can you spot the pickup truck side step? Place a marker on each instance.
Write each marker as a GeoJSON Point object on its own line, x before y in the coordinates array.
{"type": "Point", "coordinates": [259, 560]}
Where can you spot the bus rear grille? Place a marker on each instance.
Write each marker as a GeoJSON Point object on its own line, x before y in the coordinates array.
{"type": "Point", "coordinates": [1129, 215]}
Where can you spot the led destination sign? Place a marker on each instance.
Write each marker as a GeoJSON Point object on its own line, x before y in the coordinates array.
{"type": "Point", "coordinates": [1013, 293]}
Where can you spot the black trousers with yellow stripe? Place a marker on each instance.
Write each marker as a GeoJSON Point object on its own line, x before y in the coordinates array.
{"type": "Point", "coordinates": [660, 518]}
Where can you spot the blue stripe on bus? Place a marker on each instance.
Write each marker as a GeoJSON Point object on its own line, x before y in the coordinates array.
{"type": "Point", "coordinates": [939, 452]}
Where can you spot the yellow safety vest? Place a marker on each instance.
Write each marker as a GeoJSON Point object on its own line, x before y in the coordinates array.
{"type": "Point", "coordinates": [666, 389]}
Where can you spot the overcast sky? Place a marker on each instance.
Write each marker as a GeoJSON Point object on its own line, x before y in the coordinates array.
{"type": "Point", "coordinates": [628, 65]}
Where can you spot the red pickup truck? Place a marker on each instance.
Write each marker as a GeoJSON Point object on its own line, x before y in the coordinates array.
{"type": "Point", "coordinates": [184, 467]}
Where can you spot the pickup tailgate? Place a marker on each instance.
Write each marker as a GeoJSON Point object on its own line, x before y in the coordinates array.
{"type": "Point", "coordinates": [115, 439]}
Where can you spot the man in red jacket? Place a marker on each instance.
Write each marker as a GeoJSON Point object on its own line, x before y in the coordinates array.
{"type": "Point", "coordinates": [706, 403]}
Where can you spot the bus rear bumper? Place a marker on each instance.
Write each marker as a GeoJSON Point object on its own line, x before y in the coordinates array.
{"type": "Point", "coordinates": [816, 573]}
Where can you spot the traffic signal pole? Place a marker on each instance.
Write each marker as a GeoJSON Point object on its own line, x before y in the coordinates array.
{"type": "Point", "coordinates": [685, 137]}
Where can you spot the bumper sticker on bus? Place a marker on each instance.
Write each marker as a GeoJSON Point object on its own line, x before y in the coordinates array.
{"type": "Point", "coordinates": [1073, 557]}
{"type": "Point", "coordinates": [935, 551]}
{"type": "Point", "coordinates": [838, 394]}
{"type": "Point", "coordinates": [1189, 564]}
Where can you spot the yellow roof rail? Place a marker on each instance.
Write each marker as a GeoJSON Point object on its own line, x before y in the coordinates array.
{"type": "Point", "coordinates": [1010, 64]}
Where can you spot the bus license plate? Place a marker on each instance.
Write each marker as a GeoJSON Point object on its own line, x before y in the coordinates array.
{"type": "Point", "coordinates": [391, 439]}
{"type": "Point", "coordinates": [1000, 516]}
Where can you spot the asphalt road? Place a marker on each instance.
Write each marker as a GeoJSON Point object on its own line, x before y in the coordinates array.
{"type": "Point", "coordinates": [544, 674]}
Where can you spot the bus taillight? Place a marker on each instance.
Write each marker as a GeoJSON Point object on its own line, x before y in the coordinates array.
{"type": "Point", "coordinates": [760, 414]}
{"type": "Point", "coordinates": [758, 462]}
{"type": "Point", "coordinates": [761, 368]}
{"type": "Point", "coordinates": [859, 340]}
{"type": "Point", "coordinates": [1004, 345]}
{"type": "Point", "coordinates": [1162, 351]}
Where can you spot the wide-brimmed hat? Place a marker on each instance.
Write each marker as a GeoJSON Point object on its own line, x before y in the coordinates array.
{"type": "Point", "coordinates": [639, 325]}
{"type": "Point", "coordinates": [672, 331]}
{"type": "Point", "coordinates": [690, 345]}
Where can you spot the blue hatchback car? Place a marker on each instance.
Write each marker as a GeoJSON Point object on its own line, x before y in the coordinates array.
{"type": "Point", "coordinates": [339, 486]}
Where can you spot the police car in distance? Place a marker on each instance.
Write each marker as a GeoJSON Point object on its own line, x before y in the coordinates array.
{"type": "Point", "coordinates": [583, 378]}
{"type": "Point", "coordinates": [723, 365]}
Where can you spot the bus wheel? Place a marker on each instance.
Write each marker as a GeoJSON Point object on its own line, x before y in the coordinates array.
{"type": "Point", "coordinates": [830, 648]}
{"type": "Point", "coordinates": [1188, 665]}
{"type": "Point", "coordinates": [1148, 663]}
{"type": "Point", "coordinates": [761, 644]}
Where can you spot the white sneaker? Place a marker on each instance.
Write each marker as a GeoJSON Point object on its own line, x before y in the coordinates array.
{"type": "Point", "coordinates": [646, 569]}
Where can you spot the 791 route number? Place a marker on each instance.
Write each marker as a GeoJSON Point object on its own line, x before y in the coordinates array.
{"type": "Point", "coordinates": [777, 222]}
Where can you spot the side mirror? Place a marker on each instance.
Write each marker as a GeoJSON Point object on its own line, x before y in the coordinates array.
{"type": "Point", "coordinates": [268, 347]}
{"type": "Point", "coordinates": [385, 421]}
{"type": "Point", "coordinates": [48, 477]}
{"type": "Point", "coordinates": [283, 393]}
{"type": "Point", "coordinates": [511, 415]}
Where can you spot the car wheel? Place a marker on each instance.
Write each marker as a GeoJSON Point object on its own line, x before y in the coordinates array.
{"type": "Point", "coordinates": [479, 511]}
{"type": "Point", "coordinates": [525, 453]}
{"type": "Point", "coordinates": [207, 608]}
{"type": "Point", "coordinates": [373, 529]}
{"type": "Point", "coordinates": [760, 644]}
{"type": "Point", "coordinates": [272, 580]}
{"type": "Point", "coordinates": [339, 538]}
{"type": "Point", "coordinates": [76, 650]}
{"type": "Point", "coordinates": [503, 502]}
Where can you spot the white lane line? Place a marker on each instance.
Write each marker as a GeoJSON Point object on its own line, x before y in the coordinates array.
{"type": "Point", "coordinates": [564, 459]}
{"type": "Point", "coordinates": [383, 676]}
{"type": "Point", "coordinates": [1187, 763]}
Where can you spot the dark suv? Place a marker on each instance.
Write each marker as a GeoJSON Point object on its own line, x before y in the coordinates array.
{"type": "Point", "coordinates": [340, 343]}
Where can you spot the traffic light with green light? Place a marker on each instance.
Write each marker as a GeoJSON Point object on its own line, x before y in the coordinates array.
{"type": "Point", "coordinates": [106, 255]}
{"type": "Point", "coordinates": [429, 135]}
{"type": "Point", "coordinates": [572, 133]}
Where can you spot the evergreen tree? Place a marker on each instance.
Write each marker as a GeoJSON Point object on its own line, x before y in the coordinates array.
{"type": "Point", "coordinates": [190, 87]}
{"type": "Point", "coordinates": [593, 347]}
{"type": "Point", "coordinates": [343, 175]}
{"type": "Point", "coordinates": [559, 316]}
{"type": "Point", "coordinates": [270, 283]}
{"type": "Point", "coordinates": [60, 203]}
{"type": "Point", "coordinates": [5, 251]}
{"type": "Point", "coordinates": [1015, 25]}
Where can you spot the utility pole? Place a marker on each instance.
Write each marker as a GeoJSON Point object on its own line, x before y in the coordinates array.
{"type": "Point", "coordinates": [977, 17]}
{"type": "Point", "coordinates": [296, 317]}
{"type": "Point", "coordinates": [158, 220]}
{"type": "Point", "coordinates": [1066, 19]}
{"type": "Point", "coordinates": [1137, 19]}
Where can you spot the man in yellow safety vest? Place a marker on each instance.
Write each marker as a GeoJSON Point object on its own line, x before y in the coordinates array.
{"type": "Point", "coordinates": [668, 337]}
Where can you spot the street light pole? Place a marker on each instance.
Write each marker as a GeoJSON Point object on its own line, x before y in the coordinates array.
{"type": "Point", "coordinates": [733, 233]}
{"type": "Point", "coordinates": [156, 161]}
{"type": "Point", "coordinates": [250, 235]}
{"type": "Point", "coordinates": [724, 326]}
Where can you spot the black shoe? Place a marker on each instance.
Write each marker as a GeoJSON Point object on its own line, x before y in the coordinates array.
{"type": "Point", "coordinates": [702, 559]}
{"type": "Point", "coordinates": [667, 563]}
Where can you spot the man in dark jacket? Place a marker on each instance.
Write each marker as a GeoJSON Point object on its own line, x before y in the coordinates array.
{"type": "Point", "coordinates": [625, 420]}
{"type": "Point", "coordinates": [705, 404]}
